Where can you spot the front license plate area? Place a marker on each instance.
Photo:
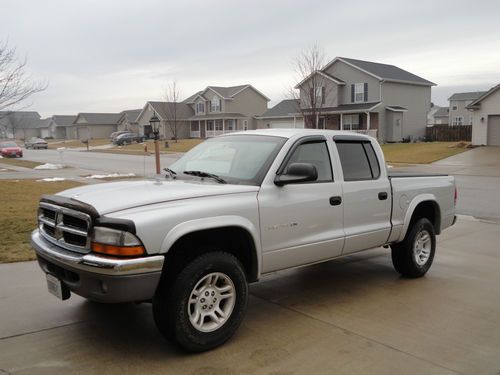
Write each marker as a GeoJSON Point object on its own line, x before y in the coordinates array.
{"type": "Point", "coordinates": [57, 288]}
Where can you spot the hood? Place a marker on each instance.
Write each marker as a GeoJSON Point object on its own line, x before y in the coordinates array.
{"type": "Point", "coordinates": [117, 196]}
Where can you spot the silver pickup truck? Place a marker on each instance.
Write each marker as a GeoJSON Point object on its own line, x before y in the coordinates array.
{"type": "Point", "coordinates": [231, 210]}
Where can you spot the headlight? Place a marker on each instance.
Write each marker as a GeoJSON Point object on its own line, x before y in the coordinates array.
{"type": "Point", "coordinates": [116, 242]}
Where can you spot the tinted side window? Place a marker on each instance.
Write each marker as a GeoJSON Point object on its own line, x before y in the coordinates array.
{"type": "Point", "coordinates": [315, 153]}
{"type": "Point", "coordinates": [358, 160]}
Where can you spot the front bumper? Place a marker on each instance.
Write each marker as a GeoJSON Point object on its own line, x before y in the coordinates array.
{"type": "Point", "coordinates": [100, 278]}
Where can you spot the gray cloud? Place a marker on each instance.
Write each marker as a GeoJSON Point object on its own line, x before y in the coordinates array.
{"type": "Point", "coordinates": [111, 55]}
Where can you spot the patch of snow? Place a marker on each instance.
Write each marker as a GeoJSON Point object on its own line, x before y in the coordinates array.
{"type": "Point", "coordinates": [52, 179]}
{"type": "Point", "coordinates": [49, 166]}
{"type": "Point", "coordinates": [112, 175]}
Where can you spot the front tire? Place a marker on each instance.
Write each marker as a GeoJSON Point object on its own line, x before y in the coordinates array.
{"type": "Point", "coordinates": [203, 307]}
{"type": "Point", "coordinates": [414, 255]}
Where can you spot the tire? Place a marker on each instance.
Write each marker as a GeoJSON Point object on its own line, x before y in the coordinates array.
{"type": "Point", "coordinates": [176, 317]}
{"type": "Point", "coordinates": [414, 255]}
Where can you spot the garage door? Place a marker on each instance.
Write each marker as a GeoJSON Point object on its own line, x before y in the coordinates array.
{"type": "Point", "coordinates": [286, 124]}
{"type": "Point", "coordinates": [493, 130]}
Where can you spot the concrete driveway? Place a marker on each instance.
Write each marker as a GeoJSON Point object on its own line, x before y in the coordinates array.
{"type": "Point", "coordinates": [350, 316]}
{"type": "Point", "coordinates": [477, 175]}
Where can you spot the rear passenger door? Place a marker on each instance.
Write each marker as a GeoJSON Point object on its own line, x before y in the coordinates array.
{"type": "Point", "coordinates": [366, 195]}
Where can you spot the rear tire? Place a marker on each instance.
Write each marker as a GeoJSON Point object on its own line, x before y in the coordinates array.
{"type": "Point", "coordinates": [203, 307]}
{"type": "Point", "coordinates": [414, 255]}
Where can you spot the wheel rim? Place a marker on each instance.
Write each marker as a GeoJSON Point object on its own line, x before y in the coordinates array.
{"type": "Point", "coordinates": [422, 247]}
{"type": "Point", "coordinates": [211, 302]}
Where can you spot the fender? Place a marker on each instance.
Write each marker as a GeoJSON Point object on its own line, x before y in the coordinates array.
{"type": "Point", "coordinates": [215, 222]}
{"type": "Point", "coordinates": [411, 209]}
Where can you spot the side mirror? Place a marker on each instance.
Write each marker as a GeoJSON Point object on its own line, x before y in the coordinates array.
{"type": "Point", "coordinates": [297, 173]}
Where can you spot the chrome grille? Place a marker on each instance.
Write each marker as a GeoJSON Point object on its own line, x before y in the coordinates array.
{"type": "Point", "coordinates": [65, 227]}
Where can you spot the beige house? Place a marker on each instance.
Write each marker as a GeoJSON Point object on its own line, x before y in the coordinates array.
{"type": "Point", "coordinates": [485, 111]}
{"type": "Point", "coordinates": [458, 112]}
{"type": "Point", "coordinates": [213, 111]}
{"type": "Point", "coordinates": [95, 125]}
{"type": "Point", "coordinates": [381, 100]}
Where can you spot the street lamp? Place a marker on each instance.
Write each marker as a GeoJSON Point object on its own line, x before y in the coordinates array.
{"type": "Point", "coordinates": [155, 125]}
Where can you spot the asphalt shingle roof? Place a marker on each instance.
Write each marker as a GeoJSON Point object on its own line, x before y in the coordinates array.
{"type": "Point", "coordinates": [284, 108]}
{"type": "Point", "coordinates": [387, 72]}
{"type": "Point", "coordinates": [467, 95]}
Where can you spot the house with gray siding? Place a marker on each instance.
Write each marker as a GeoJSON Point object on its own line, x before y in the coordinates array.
{"type": "Point", "coordinates": [381, 100]}
{"type": "Point", "coordinates": [458, 112]}
{"type": "Point", "coordinates": [95, 125]}
{"type": "Point", "coordinates": [207, 113]}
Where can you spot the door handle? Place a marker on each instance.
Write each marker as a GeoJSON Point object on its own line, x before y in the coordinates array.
{"type": "Point", "coordinates": [382, 195]}
{"type": "Point", "coordinates": [335, 201]}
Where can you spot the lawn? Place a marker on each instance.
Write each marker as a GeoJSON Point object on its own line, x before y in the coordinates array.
{"type": "Point", "coordinates": [421, 153]}
{"type": "Point", "coordinates": [20, 162]}
{"type": "Point", "coordinates": [18, 209]}
{"type": "Point", "coordinates": [76, 143]}
{"type": "Point", "coordinates": [182, 145]}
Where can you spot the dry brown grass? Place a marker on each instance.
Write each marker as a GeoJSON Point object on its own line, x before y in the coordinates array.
{"type": "Point", "coordinates": [18, 209]}
{"type": "Point", "coordinates": [20, 162]}
{"type": "Point", "coordinates": [421, 153]}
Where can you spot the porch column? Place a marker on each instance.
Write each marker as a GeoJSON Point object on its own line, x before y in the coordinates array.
{"type": "Point", "coordinates": [341, 121]}
{"type": "Point", "coordinates": [367, 120]}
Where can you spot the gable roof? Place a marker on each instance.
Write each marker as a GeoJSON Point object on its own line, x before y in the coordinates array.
{"type": "Point", "coordinates": [383, 72]}
{"type": "Point", "coordinates": [164, 110]}
{"type": "Point", "coordinates": [63, 120]}
{"type": "Point", "coordinates": [100, 118]}
{"type": "Point", "coordinates": [227, 93]}
{"type": "Point", "coordinates": [467, 95]}
{"type": "Point", "coordinates": [477, 102]}
{"type": "Point", "coordinates": [285, 108]}
{"type": "Point", "coordinates": [131, 114]}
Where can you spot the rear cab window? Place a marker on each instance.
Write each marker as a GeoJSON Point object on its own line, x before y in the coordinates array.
{"type": "Point", "coordinates": [358, 159]}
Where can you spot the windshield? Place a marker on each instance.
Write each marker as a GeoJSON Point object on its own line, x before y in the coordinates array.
{"type": "Point", "coordinates": [238, 159]}
{"type": "Point", "coordinates": [8, 144]}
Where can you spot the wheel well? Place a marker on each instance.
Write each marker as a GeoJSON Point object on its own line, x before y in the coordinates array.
{"type": "Point", "coordinates": [429, 210]}
{"type": "Point", "coordinates": [234, 240]}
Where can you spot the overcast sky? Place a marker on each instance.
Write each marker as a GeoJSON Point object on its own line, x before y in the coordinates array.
{"type": "Point", "coordinates": [110, 55]}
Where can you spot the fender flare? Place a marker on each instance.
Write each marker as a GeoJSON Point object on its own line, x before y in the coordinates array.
{"type": "Point", "coordinates": [411, 209]}
{"type": "Point", "coordinates": [215, 222]}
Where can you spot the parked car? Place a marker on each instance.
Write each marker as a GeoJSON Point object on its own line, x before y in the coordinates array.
{"type": "Point", "coordinates": [36, 143]}
{"type": "Point", "coordinates": [116, 134]}
{"type": "Point", "coordinates": [10, 149]}
{"type": "Point", "coordinates": [231, 210]}
{"type": "Point", "coordinates": [128, 138]}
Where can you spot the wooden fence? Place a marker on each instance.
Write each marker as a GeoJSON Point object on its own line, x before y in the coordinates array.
{"type": "Point", "coordinates": [447, 133]}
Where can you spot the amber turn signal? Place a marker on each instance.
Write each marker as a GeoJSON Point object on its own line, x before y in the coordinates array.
{"type": "Point", "coordinates": [128, 251]}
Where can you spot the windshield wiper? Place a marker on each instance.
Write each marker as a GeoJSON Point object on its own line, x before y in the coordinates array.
{"type": "Point", "coordinates": [172, 173]}
{"type": "Point", "coordinates": [206, 174]}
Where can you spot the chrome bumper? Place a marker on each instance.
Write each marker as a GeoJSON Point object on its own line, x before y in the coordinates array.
{"type": "Point", "coordinates": [96, 263]}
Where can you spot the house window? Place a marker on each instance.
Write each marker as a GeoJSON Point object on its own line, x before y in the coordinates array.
{"type": "Point", "coordinates": [218, 125]}
{"type": "Point", "coordinates": [200, 107]}
{"type": "Point", "coordinates": [359, 92]}
{"type": "Point", "coordinates": [230, 125]}
{"type": "Point", "coordinates": [245, 124]}
{"type": "Point", "coordinates": [350, 122]}
{"type": "Point", "coordinates": [458, 120]}
{"type": "Point", "coordinates": [215, 104]}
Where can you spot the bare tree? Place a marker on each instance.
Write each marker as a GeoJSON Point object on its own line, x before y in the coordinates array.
{"type": "Point", "coordinates": [172, 97]}
{"type": "Point", "coordinates": [312, 84]}
{"type": "Point", "coordinates": [15, 84]}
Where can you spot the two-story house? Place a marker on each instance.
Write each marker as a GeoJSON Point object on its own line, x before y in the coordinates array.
{"type": "Point", "coordinates": [458, 113]}
{"type": "Point", "coordinates": [210, 112]}
{"type": "Point", "coordinates": [378, 99]}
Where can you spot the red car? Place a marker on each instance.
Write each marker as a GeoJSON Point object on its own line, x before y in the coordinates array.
{"type": "Point", "coordinates": [10, 149]}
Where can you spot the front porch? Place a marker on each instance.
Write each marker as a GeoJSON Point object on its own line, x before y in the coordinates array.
{"type": "Point", "coordinates": [361, 122]}
{"type": "Point", "coordinates": [214, 127]}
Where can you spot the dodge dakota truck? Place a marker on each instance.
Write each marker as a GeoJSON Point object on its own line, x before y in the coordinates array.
{"type": "Point", "coordinates": [230, 211]}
